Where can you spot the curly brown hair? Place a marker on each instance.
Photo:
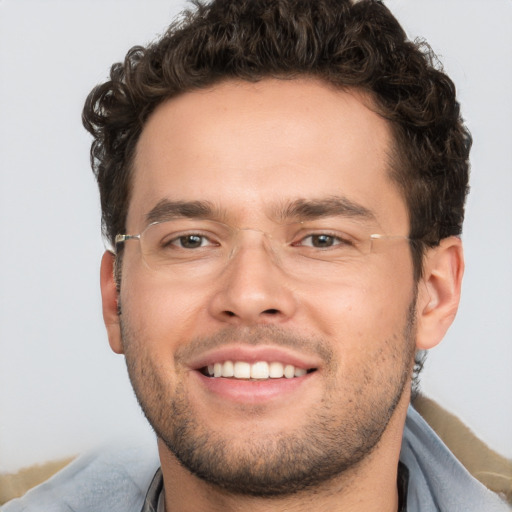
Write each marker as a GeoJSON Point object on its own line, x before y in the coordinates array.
{"type": "Point", "coordinates": [343, 42]}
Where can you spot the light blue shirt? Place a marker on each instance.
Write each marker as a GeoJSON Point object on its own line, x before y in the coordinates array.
{"type": "Point", "coordinates": [437, 480]}
{"type": "Point", "coordinates": [116, 480]}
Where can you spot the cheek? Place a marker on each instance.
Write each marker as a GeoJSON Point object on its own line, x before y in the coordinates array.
{"type": "Point", "coordinates": [161, 313]}
{"type": "Point", "coordinates": [366, 309]}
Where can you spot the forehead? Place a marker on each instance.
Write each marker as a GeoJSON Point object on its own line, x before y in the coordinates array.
{"type": "Point", "coordinates": [248, 148]}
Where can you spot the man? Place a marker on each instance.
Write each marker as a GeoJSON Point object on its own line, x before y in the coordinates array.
{"type": "Point", "coordinates": [283, 186]}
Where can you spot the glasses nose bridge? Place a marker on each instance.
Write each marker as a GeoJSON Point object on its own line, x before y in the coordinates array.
{"type": "Point", "coordinates": [249, 238]}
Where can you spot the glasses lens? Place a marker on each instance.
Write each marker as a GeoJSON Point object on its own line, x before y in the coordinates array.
{"type": "Point", "coordinates": [196, 246]}
{"type": "Point", "coordinates": [181, 242]}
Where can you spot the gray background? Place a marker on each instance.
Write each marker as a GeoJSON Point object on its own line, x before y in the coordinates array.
{"type": "Point", "coordinates": [61, 389]}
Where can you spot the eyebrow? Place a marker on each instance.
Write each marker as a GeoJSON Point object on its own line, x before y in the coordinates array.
{"type": "Point", "coordinates": [331, 206]}
{"type": "Point", "coordinates": [166, 210]}
{"type": "Point", "coordinates": [298, 209]}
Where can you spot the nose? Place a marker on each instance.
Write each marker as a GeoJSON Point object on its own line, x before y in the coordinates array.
{"type": "Point", "coordinates": [253, 289]}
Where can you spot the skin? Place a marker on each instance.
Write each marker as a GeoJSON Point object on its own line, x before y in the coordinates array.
{"type": "Point", "coordinates": [247, 149]}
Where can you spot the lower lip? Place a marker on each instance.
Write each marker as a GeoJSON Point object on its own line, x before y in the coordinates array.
{"type": "Point", "coordinates": [252, 391]}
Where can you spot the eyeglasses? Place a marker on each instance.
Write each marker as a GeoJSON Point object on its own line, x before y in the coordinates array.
{"type": "Point", "coordinates": [201, 247]}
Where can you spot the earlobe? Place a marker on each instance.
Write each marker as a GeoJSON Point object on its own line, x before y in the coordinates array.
{"type": "Point", "coordinates": [439, 292]}
{"type": "Point", "coordinates": [109, 298]}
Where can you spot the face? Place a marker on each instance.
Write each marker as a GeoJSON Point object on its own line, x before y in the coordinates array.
{"type": "Point", "coordinates": [305, 163]}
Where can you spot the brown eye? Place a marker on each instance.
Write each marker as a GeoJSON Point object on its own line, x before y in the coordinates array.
{"type": "Point", "coordinates": [191, 241]}
{"type": "Point", "coordinates": [322, 241]}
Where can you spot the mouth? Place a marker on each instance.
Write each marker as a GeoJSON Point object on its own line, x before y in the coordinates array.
{"type": "Point", "coordinates": [262, 374]}
{"type": "Point", "coordinates": [254, 382]}
{"type": "Point", "coordinates": [257, 371]}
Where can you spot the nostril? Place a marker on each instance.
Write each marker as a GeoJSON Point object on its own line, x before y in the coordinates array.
{"type": "Point", "coordinates": [271, 311]}
{"type": "Point", "coordinates": [229, 313]}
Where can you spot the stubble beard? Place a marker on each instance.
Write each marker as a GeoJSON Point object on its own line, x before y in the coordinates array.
{"type": "Point", "coordinates": [331, 442]}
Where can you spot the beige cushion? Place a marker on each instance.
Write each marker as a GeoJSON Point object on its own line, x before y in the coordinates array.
{"type": "Point", "coordinates": [14, 485]}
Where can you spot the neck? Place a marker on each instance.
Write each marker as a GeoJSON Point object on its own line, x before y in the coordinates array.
{"type": "Point", "coordinates": [371, 486]}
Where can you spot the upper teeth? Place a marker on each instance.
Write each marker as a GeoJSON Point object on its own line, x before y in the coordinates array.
{"type": "Point", "coordinates": [259, 370]}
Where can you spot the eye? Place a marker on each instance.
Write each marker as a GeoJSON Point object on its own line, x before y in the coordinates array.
{"type": "Point", "coordinates": [322, 241]}
{"type": "Point", "coordinates": [192, 241]}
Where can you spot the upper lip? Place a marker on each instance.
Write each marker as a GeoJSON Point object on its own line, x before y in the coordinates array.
{"type": "Point", "coordinates": [253, 354]}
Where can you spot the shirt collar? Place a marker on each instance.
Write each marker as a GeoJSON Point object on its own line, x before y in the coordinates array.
{"type": "Point", "coordinates": [153, 503]}
{"type": "Point", "coordinates": [402, 484]}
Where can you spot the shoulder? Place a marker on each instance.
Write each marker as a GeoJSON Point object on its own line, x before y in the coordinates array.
{"type": "Point", "coordinates": [110, 478]}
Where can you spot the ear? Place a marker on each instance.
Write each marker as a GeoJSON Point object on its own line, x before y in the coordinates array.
{"type": "Point", "coordinates": [109, 298]}
{"type": "Point", "coordinates": [439, 291]}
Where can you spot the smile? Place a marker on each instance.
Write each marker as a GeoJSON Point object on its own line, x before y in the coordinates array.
{"type": "Point", "coordinates": [259, 370]}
